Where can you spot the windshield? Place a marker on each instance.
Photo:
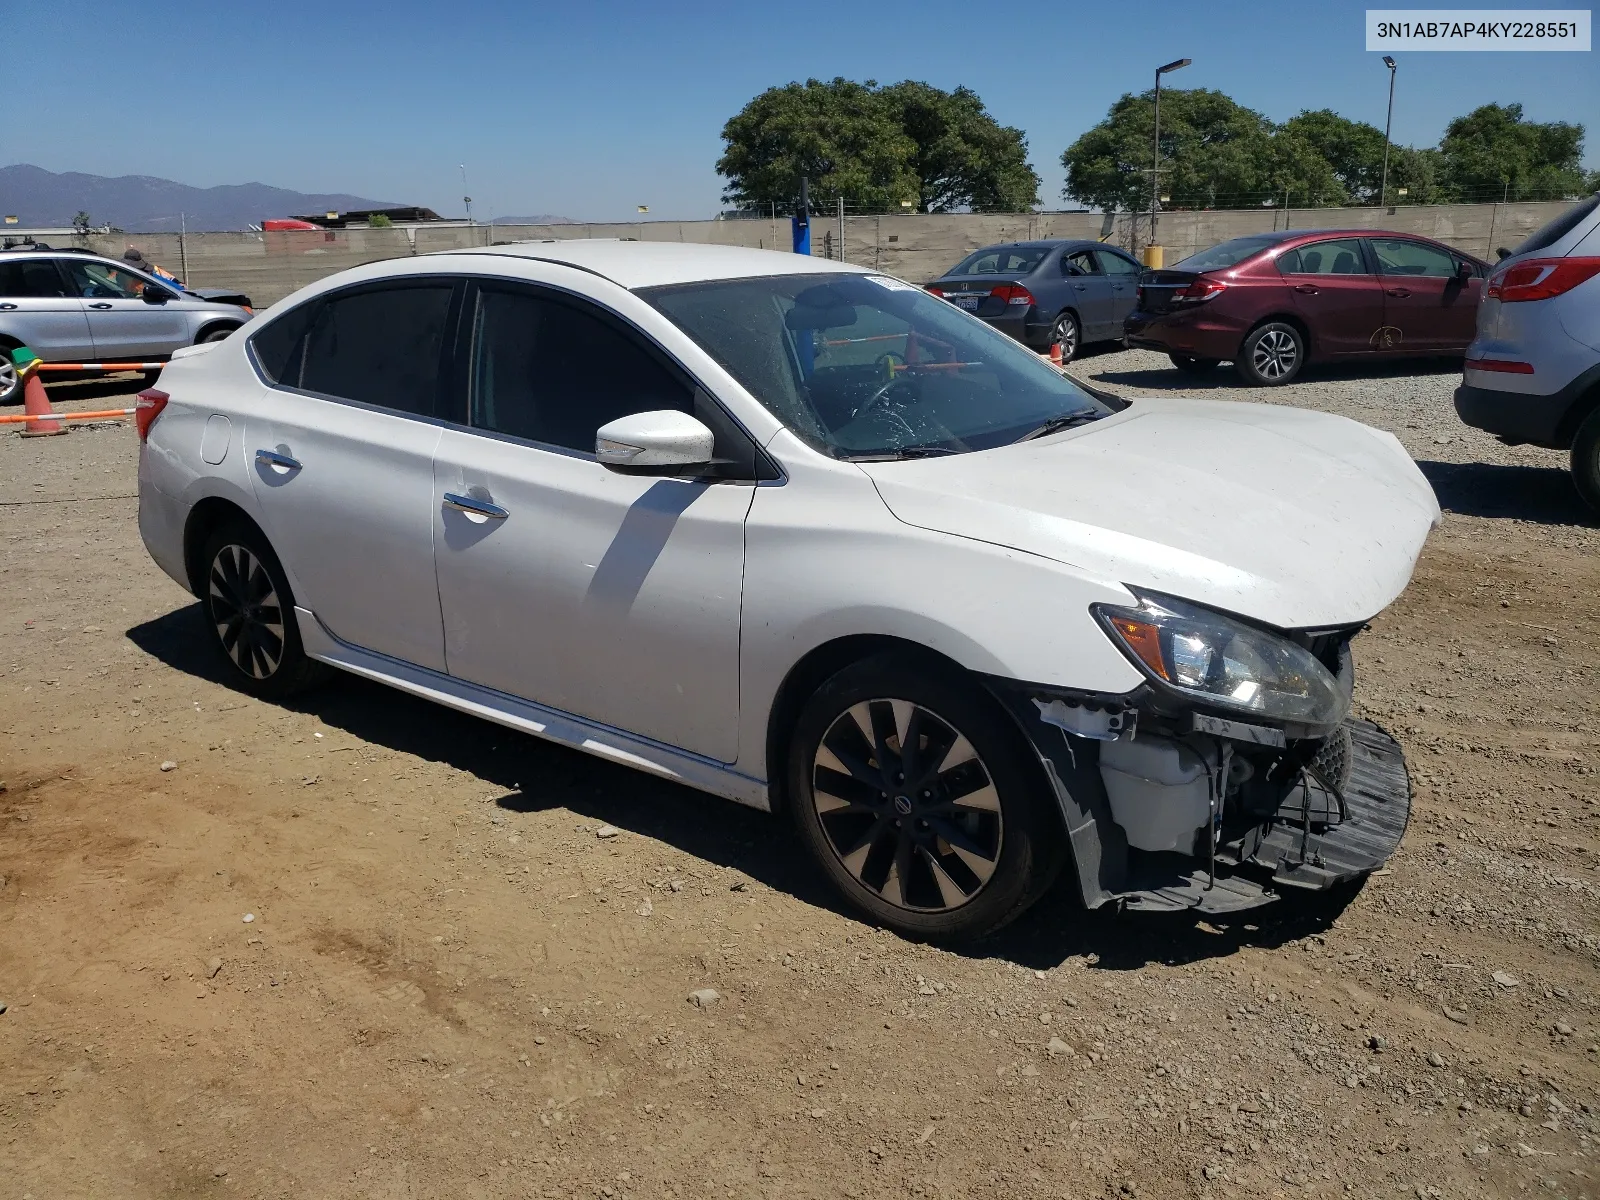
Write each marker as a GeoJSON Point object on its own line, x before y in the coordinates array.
{"type": "Point", "coordinates": [1001, 260]}
{"type": "Point", "coordinates": [1553, 231]}
{"type": "Point", "coordinates": [864, 365]}
{"type": "Point", "coordinates": [1226, 254]}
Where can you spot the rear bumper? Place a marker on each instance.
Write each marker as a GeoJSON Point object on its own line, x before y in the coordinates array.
{"type": "Point", "coordinates": [1521, 417]}
{"type": "Point", "coordinates": [1015, 324]}
{"type": "Point", "coordinates": [1197, 332]}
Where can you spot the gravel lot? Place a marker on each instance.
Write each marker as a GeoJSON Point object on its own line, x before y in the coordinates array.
{"type": "Point", "coordinates": [362, 946]}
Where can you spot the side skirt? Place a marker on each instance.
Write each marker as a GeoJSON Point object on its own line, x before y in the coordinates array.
{"type": "Point", "coordinates": [552, 725]}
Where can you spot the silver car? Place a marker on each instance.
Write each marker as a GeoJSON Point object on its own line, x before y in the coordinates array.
{"type": "Point", "coordinates": [1532, 374]}
{"type": "Point", "coordinates": [72, 307]}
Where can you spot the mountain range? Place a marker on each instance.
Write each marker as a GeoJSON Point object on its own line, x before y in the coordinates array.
{"type": "Point", "coordinates": [146, 204]}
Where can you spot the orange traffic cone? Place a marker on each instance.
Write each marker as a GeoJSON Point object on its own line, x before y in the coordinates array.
{"type": "Point", "coordinates": [1055, 355]}
{"type": "Point", "coordinates": [34, 402]}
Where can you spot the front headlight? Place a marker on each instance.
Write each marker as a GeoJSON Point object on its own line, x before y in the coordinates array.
{"type": "Point", "coordinates": [1224, 662]}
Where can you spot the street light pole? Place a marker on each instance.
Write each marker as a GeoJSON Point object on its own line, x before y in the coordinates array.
{"type": "Point", "coordinates": [1383, 188]}
{"type": "Point", "coordinates": [1155, 172]}
{"type": "Point", "coordinates": [466, 199]}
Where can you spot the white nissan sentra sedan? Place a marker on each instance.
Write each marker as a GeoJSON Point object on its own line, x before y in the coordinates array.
{"type": "Point", "coordinates": [804, 536]}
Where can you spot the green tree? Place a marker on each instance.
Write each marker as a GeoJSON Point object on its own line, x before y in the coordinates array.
{"type": "Point", "coordinates": [875, 146]}
{"type": "Point", "coordinates": [1353, 150]}
{"type": "Point", "coordinates": [1214, 153]}
{"type": "Point", "coordinates": [1492, 152]}
{"type": "Point", "coordinates": [82, 223]}
{"type": "Point", "coordinates": [840, 134]}
{"type": "Point", "coordinates": [379, 221]}
{"type": "Point", "coordinates": [1420, 172]}
{"type": "Point", "coordinates": [963, 157]}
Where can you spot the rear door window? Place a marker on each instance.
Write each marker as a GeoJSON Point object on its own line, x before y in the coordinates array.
{"type": "Point", "coordinates": [380, 346]}
{"type": "Point", "coordinates": [1337, 256]}
{"type": "Point", "coordinates": [31, 279]}
{"type": "Point", "coordinates": [1115, 264]}
{"type": "Point", "coordinates": [1401, 256]}
{"type": "Point", "coordinates": [1079, 262]}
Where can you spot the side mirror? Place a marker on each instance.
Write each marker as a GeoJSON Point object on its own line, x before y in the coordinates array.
{"type": "Point", "coordinates": [154, 295]}
{"type": "Point", "coordinates": [654, 443]}
{"type": "Point", "coordinates": [1464, 271]}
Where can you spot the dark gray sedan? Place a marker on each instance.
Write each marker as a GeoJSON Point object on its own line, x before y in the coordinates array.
{"type": "Point", "coordinates": [1042, 293]}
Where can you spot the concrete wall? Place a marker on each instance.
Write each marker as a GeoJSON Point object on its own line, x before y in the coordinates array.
{"type": "Point", "coordinates": [268, 266]}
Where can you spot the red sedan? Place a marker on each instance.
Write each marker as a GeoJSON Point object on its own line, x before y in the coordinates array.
{"type": "Point", "coordinates": [1271, 302]}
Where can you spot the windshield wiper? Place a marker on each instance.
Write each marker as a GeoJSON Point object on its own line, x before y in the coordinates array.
{"type": "Point", "coordinates": [1065, 421]}
{"type": "Point", "coordinates": [902, 452]}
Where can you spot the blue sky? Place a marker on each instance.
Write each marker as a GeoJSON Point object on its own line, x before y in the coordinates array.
{"type": "Point", "coordinates": [589, 109]}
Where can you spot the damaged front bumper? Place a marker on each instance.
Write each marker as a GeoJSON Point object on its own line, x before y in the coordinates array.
{"type": "Point", "coordinates": [1208, 815]}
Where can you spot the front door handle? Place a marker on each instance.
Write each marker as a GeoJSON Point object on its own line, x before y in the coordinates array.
{"type": "Point", "coordinates": [101, 304]}
{"type": "Point", "coordinates": [1082, 287]}
{"type": "Point", "coordinates": [7, 306]}
{"type": "Point", "coordinates": [474, 507]}
{"type": "Point", "coordinates": [1116, 287]}
{"type": "Point", "coordinates": [272, 458]}
{"type": "Point", "coordinates": [1402, 293]}
{"type": "Point", "coordinates": [1306, 288]}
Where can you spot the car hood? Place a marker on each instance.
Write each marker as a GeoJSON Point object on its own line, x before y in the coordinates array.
{"type": "Point", "coordinates": [1297, 519]}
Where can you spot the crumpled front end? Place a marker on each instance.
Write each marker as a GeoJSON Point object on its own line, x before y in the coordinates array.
{"type": "Point", "coordinates": [1169, 806]}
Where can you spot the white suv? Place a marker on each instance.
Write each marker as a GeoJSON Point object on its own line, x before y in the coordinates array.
{"type": "Point", "coordinates": [804, 536]}
{"type": "Point", "coordinates": [1532, 374]}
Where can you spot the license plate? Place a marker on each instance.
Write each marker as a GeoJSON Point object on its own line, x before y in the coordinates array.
{"type": "Point", "coordinates": [970, 303]}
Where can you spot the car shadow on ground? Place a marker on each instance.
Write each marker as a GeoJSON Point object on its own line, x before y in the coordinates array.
{"type": "Point", "coordinates": [1543, 495]}
{"type": "Point", "coordinates": [539, 775]}
{"type": "Point", "coordinates": [1223, 378]}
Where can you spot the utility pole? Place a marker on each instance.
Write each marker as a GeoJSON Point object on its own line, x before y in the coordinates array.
{"type": "Point", "coordinates": [1383, 188]}
{"type": "Point", "coordinates": [1155, 172]}
{"type": "Point", "coordinates": [183, 245]}
{"type": "Point", "coordinates": [841, 228]}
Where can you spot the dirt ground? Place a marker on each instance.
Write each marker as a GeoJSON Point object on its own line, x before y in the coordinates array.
{"type": "Point", "coordinates": [362, 946]}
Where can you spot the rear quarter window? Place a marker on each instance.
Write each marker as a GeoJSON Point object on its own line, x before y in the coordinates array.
{"type": "Point", "coordinates": [279, 348]}
{"type": "Point", "coordinates": [1553, 231]}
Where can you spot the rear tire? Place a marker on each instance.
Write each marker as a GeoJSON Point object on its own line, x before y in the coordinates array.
{"type": "Point", "coordinates": [949, 838]}
{"type": "Point", "coordinates": [249, 610]}
{"type": "Point", "coordinates": [1068, 334]}
{"type": "Point", "coordinates": [11, 385]}
{"type": "Point", "coordinates": [1586, 460]}
{"type": "Point", "coordinates": [1271, 355]}
{"type": "Point", "coordinates": [1191, 365]}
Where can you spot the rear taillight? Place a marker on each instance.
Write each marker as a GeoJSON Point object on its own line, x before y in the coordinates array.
{"type": "Point", "coordinates": [145, 412]}
{"type": "Point", "coordinates": [1540, 278]}
{"type": "Point", "coordinates": [1200, 290]}
{"type": "Point", "coordinates": [1013, 293]}
{"type": "Point", "coordinates": [1508, 366]}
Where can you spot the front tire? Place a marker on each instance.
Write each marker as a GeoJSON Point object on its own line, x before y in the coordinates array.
{"type": "Point", "coordinates": [914, 794]}
{"type": "Point", "coordinates": [1272, 355]}
{"type": "Point", "coordinates": [250, 612]}
{"type": "Point", "coordinates": [1586, 460]}
{"type": "Point", "coordinates": [1068, 334]}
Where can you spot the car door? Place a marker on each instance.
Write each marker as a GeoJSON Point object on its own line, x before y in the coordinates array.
{"type": "Point", "coordinates": [1424, 298]}
{"type": "Point", "coordinates": [39, 310]}
{"type": "Point", "coordinates": [1091, 295]}
{"type": "Point", "coordinates": [1123, 274]}
{"type": "Point", "coordinates": [1332, 285]}
{"type": "Point", "coordinates": [123, 323]}
{"type": "Point", "coordinates": [614, 597]}
{"type": "Point", "coordinates": [341, 438]}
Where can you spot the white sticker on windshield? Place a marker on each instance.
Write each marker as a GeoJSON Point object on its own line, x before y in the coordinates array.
{"type": "Point", "coordinates": [894, 285]}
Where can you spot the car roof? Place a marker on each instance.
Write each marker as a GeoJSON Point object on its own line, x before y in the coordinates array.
{"type": "Point", "coordinates": [653, 264]}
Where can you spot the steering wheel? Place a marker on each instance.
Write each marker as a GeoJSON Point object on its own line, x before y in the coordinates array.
{"type": "Point", "coordinates": [896, 378]}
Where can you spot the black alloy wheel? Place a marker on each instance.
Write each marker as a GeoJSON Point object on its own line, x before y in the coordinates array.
{"type": "Point", "coordinates": [250, 611]}
{"type": "Point", "coordinates": [911, 790]}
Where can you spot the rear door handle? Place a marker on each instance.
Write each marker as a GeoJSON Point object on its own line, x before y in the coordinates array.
{"type": "Point", "coordinates": [474, 507]}
{"type": "Point", "coordinates": [272, 458]}
{"type": "Point", "coordinates": [1306, 288]}
{"type": "Point", "coordinates": [100, 304]}
{"type": "Point", "coordinates": [1401, 292]}
{"type": "Point", "coordinates": [7, 306]}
